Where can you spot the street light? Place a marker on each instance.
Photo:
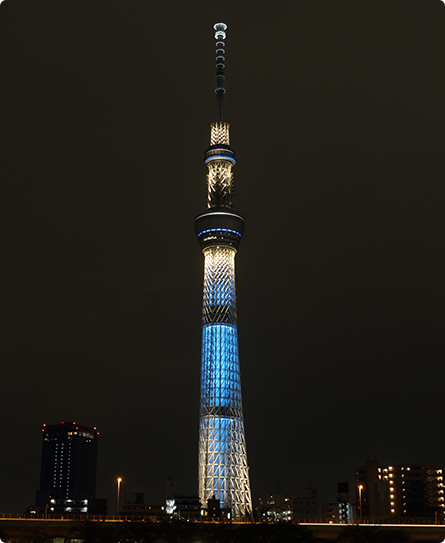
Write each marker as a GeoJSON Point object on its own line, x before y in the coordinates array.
{"type": "Point", "coordinates": [119, 481]}
{"type": "Point", "coordinates": [360, 488]}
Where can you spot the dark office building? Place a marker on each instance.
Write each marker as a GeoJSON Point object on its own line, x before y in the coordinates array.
{"type": "Point", "coordinates": [68, 470]}
{"type": "Point", "coordinates": [372, 491]}
{"type": "Point", "coordinates": [416, 490]}
{"type": "Point", "coordinates": [403, 490]}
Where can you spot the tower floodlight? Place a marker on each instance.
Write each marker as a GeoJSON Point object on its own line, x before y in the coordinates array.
{"type": "Point", "coordinates": [223, 469]}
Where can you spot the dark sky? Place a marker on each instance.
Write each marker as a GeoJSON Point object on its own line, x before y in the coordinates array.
{"type": "Point", "coordinates": [337, 113]}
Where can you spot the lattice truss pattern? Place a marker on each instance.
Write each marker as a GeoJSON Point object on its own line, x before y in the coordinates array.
{"type": "Point", "coordinates": [220, 187]}
{"type": "Point", "coordinates": [223, 470]}
{"type": "Point", "coordinates": [219, 133]}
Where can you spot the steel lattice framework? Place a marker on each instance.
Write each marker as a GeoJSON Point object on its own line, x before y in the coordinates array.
{"type": "Point", "coordinates": [223, 469]}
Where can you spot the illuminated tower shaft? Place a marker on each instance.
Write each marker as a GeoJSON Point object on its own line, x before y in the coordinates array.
{"type": "Point", "coordinates": [223, 469]}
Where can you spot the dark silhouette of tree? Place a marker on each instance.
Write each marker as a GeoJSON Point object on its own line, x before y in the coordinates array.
{"type": "Point", "coordinates": [3, 535]}
{"type": "Point", "coordinates": [362, 534]}
{"type": "Point", "coordinates": [33, 535]}
{"type": "Point", "coordinates": [253, 533]}
{"type": "Point", "coordinates": [95, 532]}
{"type": "Point", "coordinates": [139, 532]}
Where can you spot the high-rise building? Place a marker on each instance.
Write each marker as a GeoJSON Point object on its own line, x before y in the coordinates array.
{"type": "Point", "coordinates": [416, 490]}
{"type": "Point", "coordinates": [68, 469]}
{"type": "Point", "coordinates": [403, 490]}
{"type": "Point", "coordinates": [305, 502]}
{"type": "Point", "coordinates": [372, 492]}
{"type": "Point", "coordinates": [223, 469]}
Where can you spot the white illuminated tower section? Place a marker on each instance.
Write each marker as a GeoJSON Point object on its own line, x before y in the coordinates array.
{"type": "Point", "coordinates": [223, 469]}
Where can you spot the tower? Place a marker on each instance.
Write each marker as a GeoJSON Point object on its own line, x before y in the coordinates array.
{"type": "Point", "coordinates": [68, 470]}
{"type": "Point", "coordinates": [223, 469]}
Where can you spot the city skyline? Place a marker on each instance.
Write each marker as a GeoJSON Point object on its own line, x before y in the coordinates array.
{"type": "Point", "coordinates": [340, 122]}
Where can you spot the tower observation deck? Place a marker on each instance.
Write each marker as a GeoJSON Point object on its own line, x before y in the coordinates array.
{"type": "Point", "coordinates": [223, 469]}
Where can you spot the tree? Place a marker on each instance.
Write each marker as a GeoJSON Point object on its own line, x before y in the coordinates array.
{"type": "Point", "coordinates": [370, 534]}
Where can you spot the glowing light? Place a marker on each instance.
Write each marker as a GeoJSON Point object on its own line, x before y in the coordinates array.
{"type": "Point", "coordinates": [220, 31]}
{"type": "Point", "coordinates": [219, 133]}
{"type": "Point", "coordinates": [219, 230]}
{"type": "Point", "coordinates": [220, 370]}
{"type": "Point", "coordinates": [223, 470]}
{"type": "Point", "coordinates": [220, 184]}
{"type": "Point", "coordinates": [221, 157]}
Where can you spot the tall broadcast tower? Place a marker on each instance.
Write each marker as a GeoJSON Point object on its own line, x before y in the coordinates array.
{"type": "Point", "coordinates": [223, 469]}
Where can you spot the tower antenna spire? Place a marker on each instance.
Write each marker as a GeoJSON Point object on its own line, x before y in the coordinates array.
{"type": "Point", "coordinates": [220, 36]}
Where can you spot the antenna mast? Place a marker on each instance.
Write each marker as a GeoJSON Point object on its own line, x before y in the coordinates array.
{"type": "Point", "coordinates": [220, 36]}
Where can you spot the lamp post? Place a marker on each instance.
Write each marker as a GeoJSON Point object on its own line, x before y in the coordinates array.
{"type": "Point", "coordinates": [119, 481]}
{"type": "Point", "coordinates": [360, 488]}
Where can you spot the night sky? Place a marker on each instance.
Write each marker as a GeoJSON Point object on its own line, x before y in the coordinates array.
{"type": "Point", "coordinates": [337, 113]}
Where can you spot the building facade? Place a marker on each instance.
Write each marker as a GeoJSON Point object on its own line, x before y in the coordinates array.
{"type": "Point", "coordinates": [415, 490]}
{"type": "Point", "coordinates": [223, 470]}
{"type": "Point", "coordinates": [68, 469]}
{"type": "Point", "coordinates": [305, 503]}
{"type": "Point", "coordinates": [342, 510]}
{"type": "Point", "coordinates": [403, 490]}
{"type": "Point", "coordinates": [372, 492]}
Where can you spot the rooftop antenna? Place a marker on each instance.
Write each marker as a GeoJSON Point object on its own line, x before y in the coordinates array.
{"type": "Point", "coordinates": [220, 36]}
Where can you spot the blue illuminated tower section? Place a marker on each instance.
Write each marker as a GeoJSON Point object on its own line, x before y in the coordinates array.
{"type": "Point", "coordinates": [223, 469]}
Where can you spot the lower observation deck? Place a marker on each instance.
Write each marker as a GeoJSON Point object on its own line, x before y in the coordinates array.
{"type": "Point", "coordinates": [219, 228]}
